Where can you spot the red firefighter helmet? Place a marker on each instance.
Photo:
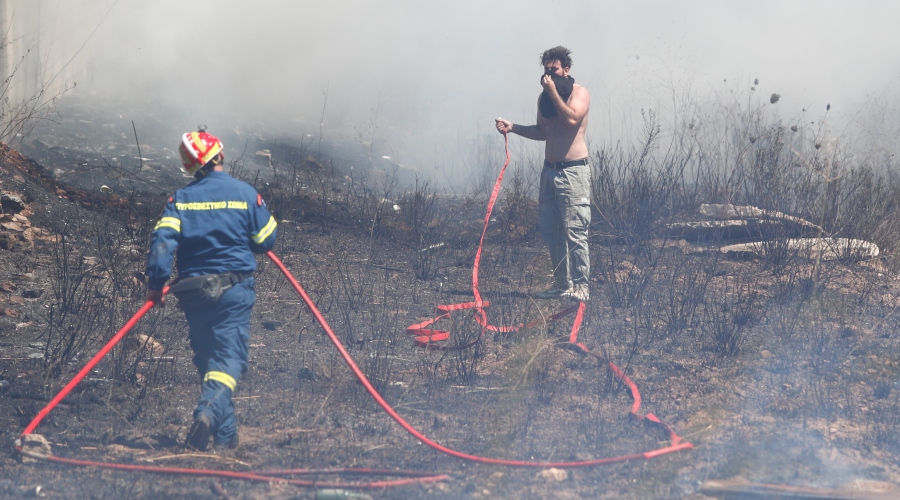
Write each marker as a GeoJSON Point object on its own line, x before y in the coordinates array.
{"type": "Point", "coordinates": [197, 148]}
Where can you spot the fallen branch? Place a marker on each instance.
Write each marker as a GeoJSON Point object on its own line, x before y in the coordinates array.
{"type": "Point", "coordinates": [201, 455]}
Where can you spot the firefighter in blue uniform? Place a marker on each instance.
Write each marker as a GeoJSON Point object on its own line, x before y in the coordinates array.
{"type": "Point", "coordinates": [214, 225]}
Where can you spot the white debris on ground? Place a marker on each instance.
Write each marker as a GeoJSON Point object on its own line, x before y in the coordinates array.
{"type": "Point", "coordinates": [34, 443]}
{"type": "Point", "coordinates": [770, 231]}
{"type": "Point", "coordinates": [718, 211]}
{"type": "Point", "coordinates": [553, 474]}
{"type": "Point", "coordinates": [810, 248]}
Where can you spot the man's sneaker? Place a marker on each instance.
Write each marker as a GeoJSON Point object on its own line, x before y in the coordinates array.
{"type": "Point", "coordinates": [198, 436]}
{"type": "Point", "coordinates": [581, 293]}
{"type": "Point", "coordinates": [553, 293]}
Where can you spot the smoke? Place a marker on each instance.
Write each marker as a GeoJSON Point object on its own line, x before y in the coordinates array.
{"type": "Point", "coordinates": [420, 80]}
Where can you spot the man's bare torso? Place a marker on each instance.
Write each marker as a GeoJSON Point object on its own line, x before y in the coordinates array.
{"type": "Point", "coordinates": [563, 141]}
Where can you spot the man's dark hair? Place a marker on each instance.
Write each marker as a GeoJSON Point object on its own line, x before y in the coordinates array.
{"type": "Point", "coordinates": [561, 54]}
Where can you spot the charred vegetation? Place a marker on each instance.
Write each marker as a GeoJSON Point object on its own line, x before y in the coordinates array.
{"type": "Point", "coordinates": [780, 366]}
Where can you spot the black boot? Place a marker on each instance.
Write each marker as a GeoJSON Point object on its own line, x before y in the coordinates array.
{"type": "Point", "coordinates": [198, 436]}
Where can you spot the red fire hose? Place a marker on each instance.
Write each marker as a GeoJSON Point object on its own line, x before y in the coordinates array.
{"type": "Point", "coordinates": [429, 338]}
{"type": "Point", "coordinates": [425, 338]}
{"type": "Point", "coordinates": [410, 477]}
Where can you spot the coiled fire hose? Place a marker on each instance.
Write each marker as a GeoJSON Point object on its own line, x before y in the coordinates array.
{"type": "Point", "coordinates": [424, 338]}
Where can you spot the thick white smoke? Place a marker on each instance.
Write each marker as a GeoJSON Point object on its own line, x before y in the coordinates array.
{"type": "Point", "coordinates": [420, 79]}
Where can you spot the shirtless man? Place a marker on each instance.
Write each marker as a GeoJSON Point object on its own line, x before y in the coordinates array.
{"type": "Point", "coordinates": [564, 202]}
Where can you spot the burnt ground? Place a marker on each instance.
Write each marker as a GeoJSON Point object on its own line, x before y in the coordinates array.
{"type": "Point", "coordinates": [773, 376]}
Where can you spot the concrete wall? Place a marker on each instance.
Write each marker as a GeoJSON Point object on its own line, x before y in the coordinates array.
{"type": "Point", "coordinates": [45, 45]}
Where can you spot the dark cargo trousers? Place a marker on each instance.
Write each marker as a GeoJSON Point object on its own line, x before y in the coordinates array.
{"type": "Point", "coordinates": [220, 338]}
{"type": "Point", "coordinates": [564, 214]}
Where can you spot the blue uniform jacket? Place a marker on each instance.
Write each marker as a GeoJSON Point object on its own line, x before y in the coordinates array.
{"type": "Point", "coordinates": [215, 224]}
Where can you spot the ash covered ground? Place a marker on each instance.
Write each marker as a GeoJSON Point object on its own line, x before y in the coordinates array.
{"type": "Point", "coordinates": [778, 369]}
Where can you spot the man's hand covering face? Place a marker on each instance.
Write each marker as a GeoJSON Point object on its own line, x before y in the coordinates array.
{"type": "Point", "coordinates": [564, 86]}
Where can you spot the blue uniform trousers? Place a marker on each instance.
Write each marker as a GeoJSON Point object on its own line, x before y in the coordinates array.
{"type": "Point", "coordinates": [220, 338]}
